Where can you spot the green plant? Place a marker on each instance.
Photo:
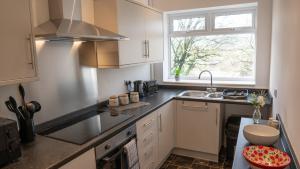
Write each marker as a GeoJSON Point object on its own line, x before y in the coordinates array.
{"type": "Point", "coordinates": [177, 72]}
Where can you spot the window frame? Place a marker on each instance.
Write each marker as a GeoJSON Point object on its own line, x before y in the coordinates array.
{"type": "Point", "coordinates": [188, 16]}
{"type": "Point", "coordinates": [210, 15]}
{"type": "Point", "coordinates": [236, 29]}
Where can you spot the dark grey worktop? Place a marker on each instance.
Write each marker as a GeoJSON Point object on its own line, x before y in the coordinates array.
{"type": "Point", "coordinates": [219, 89]}
{"type": "Point", "coordinates": [239, 160]}
{"type": "Point", "coordinates": [48, 153]}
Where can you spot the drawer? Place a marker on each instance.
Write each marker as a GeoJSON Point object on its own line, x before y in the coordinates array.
{"type": "Point", "coordinates": [147, 156]}
{"type": "Point", "coordinates": [150, 165]}
{"type": "Point", "coordinates": [147, 140]}
{"type": "Point", "coordinates": [146, 124]}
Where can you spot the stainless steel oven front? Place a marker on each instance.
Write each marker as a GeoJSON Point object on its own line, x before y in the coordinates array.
{"type": "Point", "coordinates": [110, 155]}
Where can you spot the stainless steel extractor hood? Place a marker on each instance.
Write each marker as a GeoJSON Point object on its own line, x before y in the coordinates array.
{"type": "Point", "coordinates": [66, 24]}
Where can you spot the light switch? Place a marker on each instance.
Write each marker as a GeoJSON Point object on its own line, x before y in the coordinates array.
{"type": "Point", "coordinates": [275, 93]}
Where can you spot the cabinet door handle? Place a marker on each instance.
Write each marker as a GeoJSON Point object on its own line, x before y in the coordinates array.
{"type": "Point", "coordinates": [32, 50]}
{"type": "Point", "coordinates": [148, 49]}
{"type": "Point", "coordinates": [160, 123]}
{"type": "Point", "coordinates": [145, 49]}
{"type": "Point", "coordinates": [217, 117]}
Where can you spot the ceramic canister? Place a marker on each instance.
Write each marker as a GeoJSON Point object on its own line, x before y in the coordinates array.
{"type": "Point", "coordinates": [134, 97]}
{"type": "Point", "coordinates": [124, 99]}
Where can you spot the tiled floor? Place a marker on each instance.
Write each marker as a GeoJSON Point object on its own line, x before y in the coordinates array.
{"type": "Point", "coordinates": [182, 162]}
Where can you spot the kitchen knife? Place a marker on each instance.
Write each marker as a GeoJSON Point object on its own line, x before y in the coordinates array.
{"type": "Point", "coordinates": [12, 105]}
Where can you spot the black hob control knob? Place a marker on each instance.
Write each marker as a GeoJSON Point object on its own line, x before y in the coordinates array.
{"type": "Point", "coordinates": [107, 147]}
{"type": "Point", "coordinates": [129, 133]}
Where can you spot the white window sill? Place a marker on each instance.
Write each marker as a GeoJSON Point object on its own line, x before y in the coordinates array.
{"type": "Point", "coordinates": [207, 83]}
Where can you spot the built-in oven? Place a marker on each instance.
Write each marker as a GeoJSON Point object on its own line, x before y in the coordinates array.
{"type": "Point", "coordinates": [110, 154]}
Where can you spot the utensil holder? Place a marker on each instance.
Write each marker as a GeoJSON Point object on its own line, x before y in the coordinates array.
{"type": "Point", "coordinates": [27, 130]}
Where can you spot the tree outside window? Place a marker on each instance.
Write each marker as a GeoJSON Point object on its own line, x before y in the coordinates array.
{"type": "Point", "coordinates": [228, 53]}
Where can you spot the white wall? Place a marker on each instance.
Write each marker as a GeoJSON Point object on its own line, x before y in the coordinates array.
{"type": "Point", "coordinates": [285, 62]}
{"type": "Point", "coordinates": [65, 86]}
{"type": "Point", "coordinates": [264, 24]}
{"type": "Point", "coordinates": [111, 81]}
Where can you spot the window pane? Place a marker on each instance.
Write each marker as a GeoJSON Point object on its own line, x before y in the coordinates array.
{"type": "Point", "coordinates": [233, 21]}
{"type": "Point", "coordinates": [226, 56]}
{"type": "Point", "coordinates": [189, 24]}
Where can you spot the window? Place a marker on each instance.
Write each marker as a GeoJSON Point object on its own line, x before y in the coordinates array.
{"type": "Point", "coordinates": [189, 24]}
{"type": "Point", "coordinates": [221, 41]}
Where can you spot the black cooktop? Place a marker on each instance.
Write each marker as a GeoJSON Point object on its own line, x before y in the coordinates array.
{"type": "Point", "coordinates": [87, 129]}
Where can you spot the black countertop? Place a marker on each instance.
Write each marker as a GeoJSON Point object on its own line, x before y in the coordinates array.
{"type": "Point", "coordinates": [48, 153]}
{"type": "Point", "coordinates": [239, 160]}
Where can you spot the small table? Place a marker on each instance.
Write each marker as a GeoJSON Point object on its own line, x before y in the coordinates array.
{"type": "Point", "coordinates": [239, 161]}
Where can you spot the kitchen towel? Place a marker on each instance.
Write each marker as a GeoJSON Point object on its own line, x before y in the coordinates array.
{"type": "Point", "coordinates": [132, 155]}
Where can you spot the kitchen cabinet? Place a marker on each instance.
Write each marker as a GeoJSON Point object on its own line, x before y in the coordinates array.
{"type": "Point", "coordinates": [154, 35]}
{"type": "Point", "coordinates": [143, 26]}
{"type": "Point", "coordinates": [86, 161]}
{"type": "Point", "coordinates": [198, 126]}
{"type": "Point", "coordinates": [147, 141]}
{"type": "Point", "coordinates": [144, 2]}
{"type": "Point", "coordinates": [155, 136]}
{"type": "Point", "coordinates": [17, 47]}
{"type": "Point", "coordinates": [131, 24]}
{"type": "Point", "coordinates": [166, 131]}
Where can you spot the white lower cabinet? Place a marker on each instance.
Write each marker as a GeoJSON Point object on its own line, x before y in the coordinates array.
{"type": "Point", "coordinates": [147, 140]}
{"type": "Point", "coordinates": [192, 128]}
{"type": "Point", "coordinates": [87, 161]}
{"type": "Point", "coordinates": [198, 127]}
{"type": "Point", "coordinates": [155, 136]}
{"type": "Point", "coordinates": [166, 132]}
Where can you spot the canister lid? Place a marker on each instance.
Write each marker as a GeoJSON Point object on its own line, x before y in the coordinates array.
{"type": "Point", "coordinates": [123, 95]}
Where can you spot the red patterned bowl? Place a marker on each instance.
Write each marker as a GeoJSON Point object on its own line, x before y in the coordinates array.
{"type": "Point", "coordinates": [266, 157]}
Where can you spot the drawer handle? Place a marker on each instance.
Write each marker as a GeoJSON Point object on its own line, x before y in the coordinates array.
{"type": "Point", "coordinates": [145, 139]}
{"type": "Point", "coordinates": [147, 124]}
{"type": "Point", "coordinates": [147, 154]}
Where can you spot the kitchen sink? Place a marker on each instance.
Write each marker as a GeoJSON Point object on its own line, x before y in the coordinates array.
{"type": "Point", "coordinates": [200, 94]}
{"type": "Point", "coordinates": [194, 93]}
{"type": "Point", "coordinates": [215, 95]}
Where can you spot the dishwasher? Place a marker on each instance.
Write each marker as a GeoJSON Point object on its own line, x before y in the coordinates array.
{"type": "Point", "coordinates": [110, 154]}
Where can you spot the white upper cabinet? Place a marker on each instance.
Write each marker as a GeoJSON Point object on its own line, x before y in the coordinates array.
{"type": "Point", "coordinates": [143, 26]}
{"type": "Point", "coordinates": [131, 23]}
{"type": "Point", "coordinates": [17, 47]}
{"type": "Point", "coordinates": [154, 35]}
{"type": "Point", "coordinates": [144, 2]}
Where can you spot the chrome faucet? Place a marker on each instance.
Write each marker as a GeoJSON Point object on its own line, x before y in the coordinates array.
{"type": "Point", "coordinates": [211, 83]}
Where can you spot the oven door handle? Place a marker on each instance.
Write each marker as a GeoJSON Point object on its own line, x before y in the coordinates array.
{"type": "Point", "coordinates": [110, 159]}
{"type": "Point", "coordinates": [114, 156]}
